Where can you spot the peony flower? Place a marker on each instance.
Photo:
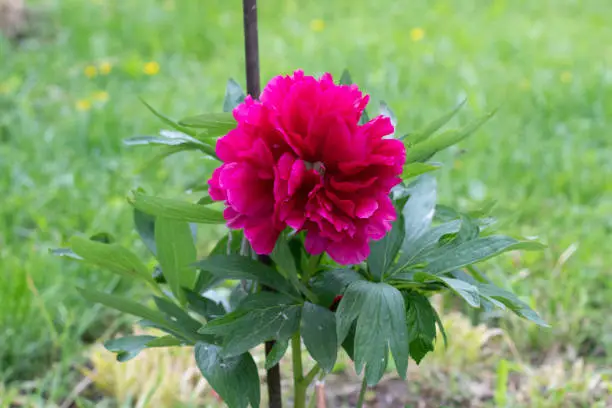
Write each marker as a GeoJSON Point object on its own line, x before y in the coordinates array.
{"type": "Point", "coordinates": [298, 158]}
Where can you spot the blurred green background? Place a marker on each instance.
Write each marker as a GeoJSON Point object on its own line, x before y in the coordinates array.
{"type": "Point", "coordinates": [69, 91]}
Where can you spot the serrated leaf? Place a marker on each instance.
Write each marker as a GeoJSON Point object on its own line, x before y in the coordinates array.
{"type": "Point", "coordinates": [421, 322]}
{"type": "Point", "coordinates": [241, 267]}
{"type": "Point", "coordinates": [474, 251]}
{"type": "Point", "coordinates": [176, 254]}
{"type": "Point", "coordinates": [176, 210]}
{"type": "Point", "coordinates": [416, 169]}
{"type": "Point", "coordinates": [433, 127]}
{"type": "Point", "coordinates": [319, 333]}
{"type": "Point", "coordinates": [112, 257]}
{"type": "Point", "coordinates": [234, 95]}
{"type": "Point", "coordinates": [509, 299]}
{"type": "Point", "coordinates": [467, 291]}
{"type": "Point", "coordinates": [235, 379]}
{"type": "Point", "coordinates": [124, 305]}
{"type": "Point", "coordinates": [145, 226]}
{"type": "Point", "coordinates": [425, 150]}
{"type": "Point", "coordinates": [276, 354]}
{"type": "Point", "coordinates": [383, 252]}
{"type": "Point", "coordinates": [167, 120]}
{"type": "Point", "coordinates": [418, 212]}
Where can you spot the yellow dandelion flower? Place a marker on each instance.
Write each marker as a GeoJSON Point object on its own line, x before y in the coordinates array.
{"type": "Point", "coordinates": [105, 68]}
{"type": "Point", "coordinates": [83, 105]}
{"type": "Point", "coordinates": [317, 25]}
{"type": "Point", "coordinates": [90, 71]}
{"type": "Point", "coordinates": [151, 68]}
{"type": "Point", "coordinates": [417, 34]}
{"type": "Point", "coordinates": [100, 96]}
{"type": "Point", "coordinates": [566, 77]}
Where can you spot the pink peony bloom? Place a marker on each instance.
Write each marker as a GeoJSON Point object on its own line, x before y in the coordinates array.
{"type": "Point", "coordinates": [298, 158]}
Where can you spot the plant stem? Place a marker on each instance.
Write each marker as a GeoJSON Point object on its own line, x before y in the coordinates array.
{"type": "Point", "coordinates": [364, 387]}
{"type": "Point", "coordinates": [299, 385]}
{"type": "Point", "coordinates": [251, 47]}
{"type": "Point", "coordinates": [251, 60]}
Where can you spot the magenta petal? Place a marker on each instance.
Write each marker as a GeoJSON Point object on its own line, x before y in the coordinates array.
{"type": "Point", "coordinates": [366, 207]}
{"type": "Point", "coordinates": [315, 243]}
{"type": "Point", "coordinates": [349, 251]}
{"type": "Point", "coordinates": [262, 237]}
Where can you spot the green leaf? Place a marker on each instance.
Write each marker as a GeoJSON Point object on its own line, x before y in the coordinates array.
{"type": "Point", "coordinates": [416, 169]}
{"type": "Point", "coordinates": [418, 212]}
{"type": "Point", "coordinates": [441, 327]}
{"type": "Point", "coordinates": [167, 120]}
{"type": "Point", "coordinates": [129, 347]}
{"type": "Point", "coordinates": [319, 334]}
{"type": "Point", "coordinates": [205, 307]}
{"type": "Point", "coordinates": [124, 305]}
{"type": "Point", "coordinates": [427, 243]}
{"type": "Point", "coordinates": [214, 124]}
{"type": "Point", "coordinates": [381, 320]}
{"type": "Point", "coordinates": [465, 290]}
{"type": "Point", "coordinates": [383, 252]}
{"type": "Point", "coordinates": [509, 299]}
{"type": "Point", "coordinates": [475, 251]}
{"type": "Point", "coordinates": [283, 258]}
{"type": "Point", "coordinates": [376, 368]}
{"type": "Point", "coordinates": [329, 284]}
{"type": "Point", "coordinates": [176, 210]}
{"type": "Point", "coordinates": [428, 148]}
{"type": "Point", "coordinates": [348, 310]}
{"type": "Point", "coordinates": [386, 111]}
{"type": "Point", "coordinates": [113, 257]}
{"type": "Point", "coordinates": [260, 317]}
{"type": "Point", "coordinates": [103, 237]}
{"type": "Point", "coordinates": [241, 267]}
{"type": "Point", "coordinates": [421, 321]}
{"type": "Point", "coordinates": [234, 95]}
{"type": "Point", "coordinates": [276, 354]}
{"type": "Point", "coordinates": [65, 252]}
{"type": "Point", "coordinates": [177, 315]}
{"type": "Point", "coordinates": [235, 379]}
{"type": "Point", "coordinates": [345, 78]}
{"type": "Point", "coordinates": [434, 126]}
{"type": "Point", "coordinates": [145, 226]}
{"type": "Point", "coordinates": [176, 254]}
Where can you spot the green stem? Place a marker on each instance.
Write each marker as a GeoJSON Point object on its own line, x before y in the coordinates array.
{"type": "Point", "coordinates": [311, 268]}
{"type": "Point", "coordinates": [299, 390]}
{"type": "Point", "coordinates": [364, 387]}
{"type": "Point", "coordinates": [311, 375]}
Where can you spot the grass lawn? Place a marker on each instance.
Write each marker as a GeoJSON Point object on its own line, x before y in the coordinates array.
{"type": "Point", "coordinates": [69, 94]}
